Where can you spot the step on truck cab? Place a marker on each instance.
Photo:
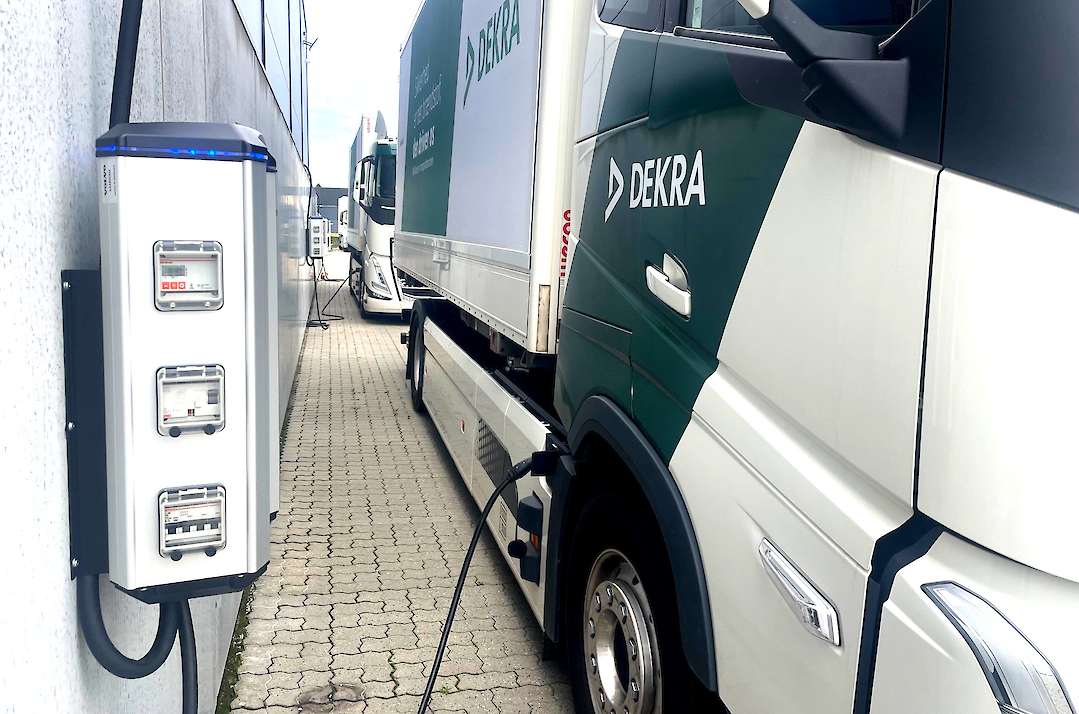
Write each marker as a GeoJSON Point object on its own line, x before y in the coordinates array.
{"type": "Point", "coordinates": [790, 285]}
{"type": "Point", "coordinates": [373, 279]}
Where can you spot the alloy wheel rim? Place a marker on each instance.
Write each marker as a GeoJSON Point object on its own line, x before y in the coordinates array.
{"type": "Point", "coordinates": [620, 648]}
{"type": "Point", "coordinates": [415, 365]}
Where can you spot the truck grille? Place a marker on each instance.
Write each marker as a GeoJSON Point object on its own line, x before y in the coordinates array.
{"type": "Point", "coordinates": [495, 460]}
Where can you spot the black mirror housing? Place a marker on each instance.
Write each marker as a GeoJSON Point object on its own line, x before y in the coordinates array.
{"type": "Point", "coordinates": [850, 85]}
{"type": "Point", "coordinates": [866, 97]}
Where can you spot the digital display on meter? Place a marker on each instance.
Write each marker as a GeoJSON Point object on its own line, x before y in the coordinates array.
{"type": "Point", "coordinates": [187, 276]}
{"type": "Point", "coordinates": [172, 270]}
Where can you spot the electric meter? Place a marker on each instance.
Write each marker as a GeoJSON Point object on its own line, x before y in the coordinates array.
{"type": "Point", "coordinates": [188, 275]}
{"type": "Point", "coordinates": [191, 394]}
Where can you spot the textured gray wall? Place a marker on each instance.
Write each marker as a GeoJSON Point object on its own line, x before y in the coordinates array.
{"type": "Point", "coordinates": [195, 63]}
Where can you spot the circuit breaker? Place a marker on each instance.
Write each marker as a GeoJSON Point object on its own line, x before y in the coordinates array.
{"type": "Point", "coordinates": [189, 296]}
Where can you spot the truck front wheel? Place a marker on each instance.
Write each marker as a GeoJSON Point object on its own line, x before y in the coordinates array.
{"type": "Point", "coordinates": [622, 636]}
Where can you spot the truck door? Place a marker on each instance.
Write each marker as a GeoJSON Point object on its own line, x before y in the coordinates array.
{"type": "Point", "coordinates": [778, 279]}
{"type": "Point", "coordinates": [599, 306]}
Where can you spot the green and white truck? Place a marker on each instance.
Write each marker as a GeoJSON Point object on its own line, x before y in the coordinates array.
{"type": "Point", "coordinates": [791, 286]}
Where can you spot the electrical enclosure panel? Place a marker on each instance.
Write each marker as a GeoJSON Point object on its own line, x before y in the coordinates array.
{"type": "Point", "coordinates": [191, 358]}
{"type": "Point", "coordinates": [320, 238]}
{"type": "Point", "coordinates": [188, 275]}
{"type": "Point", "coordinates": [190, 399]}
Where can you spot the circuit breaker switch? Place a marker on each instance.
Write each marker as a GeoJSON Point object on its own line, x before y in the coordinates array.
{"type": "Point", "coordinates": [190, 399]}
{"type": "Point", "coordinates": [191, 519]}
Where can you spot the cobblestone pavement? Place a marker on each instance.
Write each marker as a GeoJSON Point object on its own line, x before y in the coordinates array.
{"type": "Point", "coordinates": [365, 553]}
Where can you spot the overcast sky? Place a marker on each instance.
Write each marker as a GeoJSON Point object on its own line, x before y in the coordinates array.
{"type": "Point", "coordinates": [352, 69]}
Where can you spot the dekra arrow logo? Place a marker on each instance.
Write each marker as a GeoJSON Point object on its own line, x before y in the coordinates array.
{"type": "Point", "coordinates": [613, 194]}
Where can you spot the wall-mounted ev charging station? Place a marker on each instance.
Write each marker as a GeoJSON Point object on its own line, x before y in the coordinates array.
{"type": "Point", "coordinates": [190, 328]}
{"type": "Point", "coordinates": [172, 366]}
{"type": "Point", "coordinates": [318, 238]}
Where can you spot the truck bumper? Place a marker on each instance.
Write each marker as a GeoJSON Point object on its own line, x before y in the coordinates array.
{"type": "Point", "coordinates": [389, 306]}
{"type": "Point", "coordinates": [924, 663]}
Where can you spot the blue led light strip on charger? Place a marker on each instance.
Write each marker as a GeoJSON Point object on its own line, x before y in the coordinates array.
{"type": "Point", "coordinates": [209, 153]}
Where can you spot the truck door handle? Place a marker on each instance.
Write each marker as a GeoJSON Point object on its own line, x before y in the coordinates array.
{"type": "Point", "coordinates": [670, 285]}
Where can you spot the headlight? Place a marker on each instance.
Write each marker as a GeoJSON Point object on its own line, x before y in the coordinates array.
{"type": "Point", "coordinates": [1022, 680]}
{"type": "Point", "coordinates": [376, 279]}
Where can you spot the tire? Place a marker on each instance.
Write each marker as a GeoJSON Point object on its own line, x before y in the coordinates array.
{"type": "Point", "coordinates": [618, 564]}
{"type": "Point", "coordinates": [363, 311]}
{"type": "Point", "coordinates": [416, 359]}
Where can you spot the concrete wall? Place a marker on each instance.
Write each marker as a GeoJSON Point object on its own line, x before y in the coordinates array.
{"type": "Point", "coordinates": [195, 62]}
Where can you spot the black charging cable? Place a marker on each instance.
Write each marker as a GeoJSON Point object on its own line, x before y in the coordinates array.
{"type": "Point", "coordinates": [88, 600]}
{"type": "Point", "coordinates": [323, 318]}
{"type": "Point", "coordinates": [189, 665]}
{"type": "Point", "coordinates": [318, 321]}
{"type": "Point", "coordinates": [123, 77]}
{"type": "Point", "coordinates": [173, 617]}
{"type": "Point", "coordinates": [515, 474]}
{"type": "Point", "coordinates": [341, 284]}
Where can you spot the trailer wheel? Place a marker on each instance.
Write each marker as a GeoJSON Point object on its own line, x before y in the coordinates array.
{"type": "Point", "coordinates": [416, 358]}
{"type": "Point", "coordinates": [623, 639]}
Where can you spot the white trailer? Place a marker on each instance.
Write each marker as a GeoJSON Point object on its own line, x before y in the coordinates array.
{"type": "Point", "coordinates": [482, 211]}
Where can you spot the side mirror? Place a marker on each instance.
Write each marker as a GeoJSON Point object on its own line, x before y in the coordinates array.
{"type": "Point", "coordinates": [850, 85]}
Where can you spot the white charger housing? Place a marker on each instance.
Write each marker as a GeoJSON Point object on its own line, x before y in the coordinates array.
{"type": "Point", "coordinates": [189, 308]}
{"type": "Point", "coordinates": [319, 239]}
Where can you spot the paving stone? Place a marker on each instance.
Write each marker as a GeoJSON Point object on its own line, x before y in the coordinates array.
{"type": "Point", "coordinates": [373, 526]}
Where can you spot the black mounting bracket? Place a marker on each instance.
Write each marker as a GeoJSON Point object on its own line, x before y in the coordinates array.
{"type": "Point", "coordinates": [84, 384]}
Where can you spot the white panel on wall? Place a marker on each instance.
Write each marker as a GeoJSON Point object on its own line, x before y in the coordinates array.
{"type": "Point", "coordinates": [277, 49]}
{"type": "Point", "coordinates": [251, 14]}
{"type": "Point", "coordinates": [277, 66]}
{"type": "Point", "coordinates": [295, 45]}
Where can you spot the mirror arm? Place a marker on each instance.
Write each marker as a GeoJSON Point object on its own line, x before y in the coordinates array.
{"type": "Point", "coordinates": [869, 98]}
{"type": "Point", "coordinates": [806, 42]}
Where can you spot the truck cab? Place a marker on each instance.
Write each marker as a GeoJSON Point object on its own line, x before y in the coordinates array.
{"type": "Point", "coordinates": [373, 279]}
{"type": "Point", "coordinates": [342, 220]}
{"type": "Point", "coordinates": [811, 380]}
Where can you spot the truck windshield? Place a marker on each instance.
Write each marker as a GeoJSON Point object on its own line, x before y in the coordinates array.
{"type": "Point", "coordinates": [386, 176]}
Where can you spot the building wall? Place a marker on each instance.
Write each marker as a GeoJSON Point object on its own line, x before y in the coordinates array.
{"type": "Point", "coordinates": [196, 62]}
{"type": "Point", "coordinates": [326, 203]}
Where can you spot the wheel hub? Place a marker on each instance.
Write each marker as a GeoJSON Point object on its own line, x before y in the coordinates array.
{"type": "Point", "coordinates": [621, 663]}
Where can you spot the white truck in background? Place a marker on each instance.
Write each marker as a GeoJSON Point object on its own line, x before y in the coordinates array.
{"type": "Point", "coordinates": [368, 235]}
{"type": "Point", "coordinates": [688, 245]}
{"type": "Point", "coordinates": [342, 221]}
